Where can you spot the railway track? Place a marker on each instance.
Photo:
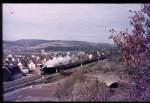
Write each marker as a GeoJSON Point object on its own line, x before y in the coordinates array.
{"type": "Point", "coordinates": [37, 79]}
{"type": "Point", "coordinates": [13, 85]}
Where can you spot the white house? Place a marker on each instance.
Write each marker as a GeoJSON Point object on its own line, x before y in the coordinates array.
{"type": "Point", "coordinates": [13, 59]}
{"type": "Point", "coordinates": [31, 65]}
{"type": "Point", "coordinates": [20, 65]}
{"type": "Point", "coordinates": [10, 56]}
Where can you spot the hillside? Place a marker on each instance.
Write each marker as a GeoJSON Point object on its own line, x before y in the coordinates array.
{"type": "Point", "coordinates": [53, 45]}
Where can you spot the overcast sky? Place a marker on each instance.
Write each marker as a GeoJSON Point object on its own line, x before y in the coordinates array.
{"type": "Point", "coordinates": [85, 22]}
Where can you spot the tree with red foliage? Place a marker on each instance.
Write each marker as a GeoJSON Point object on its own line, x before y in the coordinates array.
{"type": "Point", "coordinates": [135, 45]}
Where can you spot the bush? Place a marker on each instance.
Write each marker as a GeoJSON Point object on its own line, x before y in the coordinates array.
{"type": "Point", "coordinates": [135, 45]}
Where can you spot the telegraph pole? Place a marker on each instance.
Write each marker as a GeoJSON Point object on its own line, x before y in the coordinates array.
{"type": "Point", "coordinates": [98, 55]}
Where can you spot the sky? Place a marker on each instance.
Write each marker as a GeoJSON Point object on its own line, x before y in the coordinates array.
{"type": "Point", "coordinates": [82, 22]}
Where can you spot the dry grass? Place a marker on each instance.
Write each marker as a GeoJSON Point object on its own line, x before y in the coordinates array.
{"type": "Point", "coordinates": [89, 90]}
{"type": "Point", "coordinates": [64, 92]}
{"type": "Point", "coordinates": [79, 88]}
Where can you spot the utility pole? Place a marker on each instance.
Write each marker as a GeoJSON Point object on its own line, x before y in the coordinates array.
{"type": "Point", "coordinates": [98, 55]}
{"type": "Point", "coordinates": [80, 55]}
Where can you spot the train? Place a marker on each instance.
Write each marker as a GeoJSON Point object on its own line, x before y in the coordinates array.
{"type": "Point", "coordinates": [61, 68]}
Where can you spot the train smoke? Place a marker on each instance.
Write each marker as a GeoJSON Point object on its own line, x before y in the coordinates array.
{"type": "Point", "coordinates": [58, 61]}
